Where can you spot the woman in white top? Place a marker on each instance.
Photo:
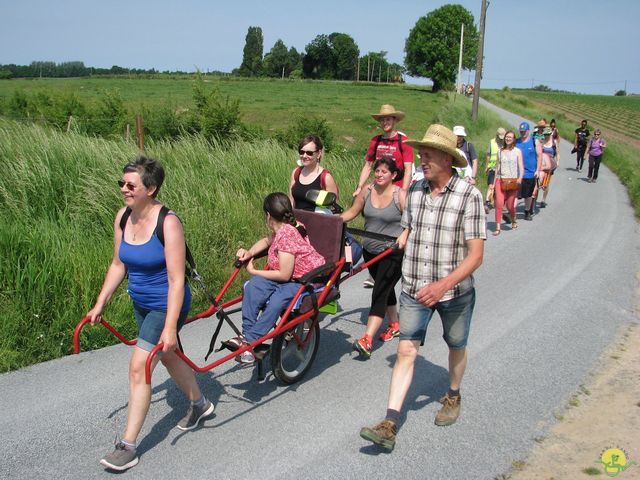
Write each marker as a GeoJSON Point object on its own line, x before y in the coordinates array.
{"type": "Point", "coordinates": [509, 171]}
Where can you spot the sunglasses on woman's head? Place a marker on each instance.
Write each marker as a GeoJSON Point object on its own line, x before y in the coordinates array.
{"type": "Point", "coordinates": [308, 153]}
{"type": "Point", "coordinates": [130, 186]}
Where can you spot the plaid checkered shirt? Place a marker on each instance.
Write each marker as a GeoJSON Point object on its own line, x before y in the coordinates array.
{"type": "Point", "coordinates": [440, 228]}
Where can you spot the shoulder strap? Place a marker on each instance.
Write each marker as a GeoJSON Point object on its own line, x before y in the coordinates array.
{"type": "Point", "coordinates": [372, 157]}
{"type": "Point", "coordinates": [396, 199]}
{"type": "Point", "coordinates": [124, 218]}
{"type": "Point", "coordinates": [400, 144]}
{"type": "Point", "coordinates": [323, 178]}
{"type": "Point", "coordinates": [160, 234]}
{"type": "Point", "coordinates": [160, 225]}
{"type": "Point", "coordinates": [296, 173]}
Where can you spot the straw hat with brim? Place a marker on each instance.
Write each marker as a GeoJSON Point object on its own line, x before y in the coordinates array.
{"type": "Point", "coordinates": [388, 111]}
{"type": "Point", "coordinates": [443, 139]}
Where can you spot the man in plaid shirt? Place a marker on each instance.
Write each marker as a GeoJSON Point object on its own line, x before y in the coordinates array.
{"type": "Point", "coordinates": [445, 230]}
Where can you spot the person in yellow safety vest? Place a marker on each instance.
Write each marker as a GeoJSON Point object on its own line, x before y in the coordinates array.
{"type": "Point", "coordinates": [495, 144]}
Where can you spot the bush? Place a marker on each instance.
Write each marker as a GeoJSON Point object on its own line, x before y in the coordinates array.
{"type": "Point", "coordinates": [621, 93]}
{"type": "Point", "coordinates": [162, 122]}
{"type": "Point", "coordinates": [109, 118]}
{"type": "Point", "coordinates": [216, 117]}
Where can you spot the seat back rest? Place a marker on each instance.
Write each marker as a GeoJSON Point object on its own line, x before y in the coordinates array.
{"type": "Point", "coordinates": [325, 232]}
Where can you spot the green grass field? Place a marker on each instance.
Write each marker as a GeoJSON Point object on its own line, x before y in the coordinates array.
{"type": "Point", "coordinates": [617, 117]}
{"type": "Point", "coordinates": [270, 104]}
{"type": "Point", "coordinates": [58, 195]}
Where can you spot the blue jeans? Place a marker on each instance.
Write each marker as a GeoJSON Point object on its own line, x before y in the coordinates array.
{"type": "Point", "coordinates": [455, 315]}
{"type": "Point", "coordinates": [150, 326]}
{"type": "Point", "coordinates": [257, 292]}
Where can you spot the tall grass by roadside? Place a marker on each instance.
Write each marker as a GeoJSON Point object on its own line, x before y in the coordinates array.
{"type": "Point", "coordinates": [58, 195]}
{"type": "Point", "coordinates": [621, 158]}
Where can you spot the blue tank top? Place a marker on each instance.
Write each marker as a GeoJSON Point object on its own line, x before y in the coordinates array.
{"type": "Point", "coordinates": [529, 156]}
{"type": "Point", "coordinates": [148, 280]}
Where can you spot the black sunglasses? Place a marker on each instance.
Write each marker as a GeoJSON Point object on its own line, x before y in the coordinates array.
{"type": "Point", "coordinates": [308, 153]}
{"type": "Point", "coordinates": [130, 186]}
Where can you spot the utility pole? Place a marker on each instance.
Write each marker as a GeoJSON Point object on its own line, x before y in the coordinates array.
{"type": "Point", "coordinates": [479, 60]}
{"type": "Point", "coordinates": [460, 59]}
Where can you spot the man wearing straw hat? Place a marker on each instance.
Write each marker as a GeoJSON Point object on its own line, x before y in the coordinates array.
{"type": "Point", "coordinates": [389, 144]}
{"type": "Point", "coordinates": [443, 238]}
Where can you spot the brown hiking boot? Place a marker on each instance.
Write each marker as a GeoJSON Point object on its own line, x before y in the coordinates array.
{"type": "Point", "coordinates": [383, 434]}
{"type": "Point", "coordinates": [449, 412]}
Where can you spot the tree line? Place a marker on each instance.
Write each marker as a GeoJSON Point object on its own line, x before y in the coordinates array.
{"type": "Point", "coordinates": [48, 69]}
{"type": "Point", "coordinates": [328, 57]}
{"type": "Point", "coordinates": [431, 51]}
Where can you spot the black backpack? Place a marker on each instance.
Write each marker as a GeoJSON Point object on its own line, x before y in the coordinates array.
{"type": "Point", "coordinates": [378, 139]}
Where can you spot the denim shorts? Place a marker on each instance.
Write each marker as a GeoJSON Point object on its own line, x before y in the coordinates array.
{"type": "Point", "coordinates": [150, 326]}
{"type": "Point", "coordinates": [455, 315]}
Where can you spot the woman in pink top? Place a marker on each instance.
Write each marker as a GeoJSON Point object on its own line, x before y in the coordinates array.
{"type": "Point", "coordinates": [290, 256]}
{"type": "Point", "coordinates": [595, 149]}
{"type": "Point", "coordinates": [509, 171]}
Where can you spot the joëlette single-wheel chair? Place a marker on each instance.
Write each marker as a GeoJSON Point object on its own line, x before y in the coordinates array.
{"type": "Point", "coordinates": [296, 335]}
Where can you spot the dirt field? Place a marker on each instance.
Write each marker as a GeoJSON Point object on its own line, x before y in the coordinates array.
{"type": "Point", "coordinates": [604, 414]}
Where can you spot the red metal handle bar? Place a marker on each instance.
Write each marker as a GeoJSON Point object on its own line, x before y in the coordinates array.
{"type": "Point", "coordinates": [283, 326]}
{"type": "Point", "coordinates": [107, 325]}
{"type": "Point", "coordinates": [207, 313]}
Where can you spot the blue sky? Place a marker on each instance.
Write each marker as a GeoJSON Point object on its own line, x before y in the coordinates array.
{"type": "Point", "coordinates": [584, 46]}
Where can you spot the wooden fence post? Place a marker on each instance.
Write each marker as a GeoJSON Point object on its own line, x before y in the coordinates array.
{"type": "Point", "coordinates": [69, 123]}
{"type": "Point", "coordinates": [139, 132]}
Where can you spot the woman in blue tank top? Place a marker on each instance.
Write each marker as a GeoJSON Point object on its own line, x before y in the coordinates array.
{"type": "Point", "coordinates": [161, 299]}
{"type": "Point", "coordinates": [382, 203]}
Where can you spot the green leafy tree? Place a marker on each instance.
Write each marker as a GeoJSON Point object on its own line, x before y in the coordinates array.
{"type": "Point", "coordinates": [318, 60]}
{"type": "Point", "coordinates": [345, 56]}
{"type": "Point", "coordinates": [252, 54]}
{"type": "Point", "coordinates": [432, 47]}
{"type": "Point", "coordinates": [295, 62]}
{"type": "Point", "coordinates": [277, 60]}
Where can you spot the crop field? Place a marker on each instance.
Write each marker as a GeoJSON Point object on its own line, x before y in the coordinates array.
{"type": "Point", "coordinates": [618, 117]}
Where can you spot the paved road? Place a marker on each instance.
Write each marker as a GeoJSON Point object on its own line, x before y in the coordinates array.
{"type": "Point", "coordinates": [551, 296]}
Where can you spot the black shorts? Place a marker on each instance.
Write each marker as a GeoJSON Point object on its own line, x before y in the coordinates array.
{"type": "Point", "coordinates": [527, 187]}
{"type": "Point", "coordinates": [491, 175]}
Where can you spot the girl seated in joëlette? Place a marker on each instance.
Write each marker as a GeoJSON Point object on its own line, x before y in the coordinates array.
{"type": "Point", "coordinates": [290, 257]}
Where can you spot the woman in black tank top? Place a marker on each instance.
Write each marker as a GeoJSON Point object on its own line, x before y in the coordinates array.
{"type": "Point", "coordinates": [309, 175]}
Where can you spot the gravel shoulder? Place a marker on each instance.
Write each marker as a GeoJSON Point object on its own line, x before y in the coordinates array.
{"type": "Point", "coordinates": [604, 413]}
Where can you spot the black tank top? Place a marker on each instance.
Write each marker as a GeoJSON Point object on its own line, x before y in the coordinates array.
{"type": "Point", "coordinates": [298, 192]}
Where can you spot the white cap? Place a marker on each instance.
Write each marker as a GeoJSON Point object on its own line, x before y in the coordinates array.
{"type": "Point", "coordinates": [459, 130]}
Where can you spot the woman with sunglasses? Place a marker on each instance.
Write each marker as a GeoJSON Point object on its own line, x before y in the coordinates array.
{"type": "Point", "coordinates": [160, 295]}
{"type": "Point", "coordinates": [381, 203]}
{"type": "Point", "coordinates": [595, 150]}
{"type": "Point", "coordinates": [309, 175]}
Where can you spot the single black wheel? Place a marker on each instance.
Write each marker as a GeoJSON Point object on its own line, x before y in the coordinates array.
{"type": "Point", "coordinates": [289, 360]}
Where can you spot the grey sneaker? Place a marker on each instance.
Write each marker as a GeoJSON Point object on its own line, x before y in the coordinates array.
{"type": "Point", "coordinates": [121, 458]}
{"type": "Point", "coordinates": [194, 415]}
{"type": "Point", "coordinates": [383, 434]}
{"type": "Point", "coordinates": [369, 283]}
